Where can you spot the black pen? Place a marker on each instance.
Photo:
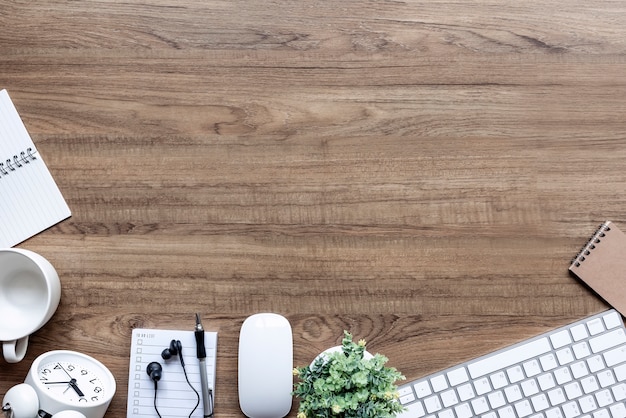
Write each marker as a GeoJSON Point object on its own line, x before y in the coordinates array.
{"type": "Point", "coordinates": [207, 396]}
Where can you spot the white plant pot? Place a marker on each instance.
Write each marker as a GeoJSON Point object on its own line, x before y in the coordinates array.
{"type": "Point", "coordinates": [366, 354]}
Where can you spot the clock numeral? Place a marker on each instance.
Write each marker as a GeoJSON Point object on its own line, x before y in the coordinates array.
{"type": "Point", "coordinates": [70, 367]}
{"type": "Point", "coordinates": [94, 398]}
{"type": "Point", "coordinates": [97, 389]}
{"type": "Point", "coordinates": [82, 399]}
{"type": "Point", "coordinates": [84, 372]}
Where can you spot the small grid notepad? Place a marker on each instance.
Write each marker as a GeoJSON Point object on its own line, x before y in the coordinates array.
{"type": "Point", "coordinates": [174, 396]}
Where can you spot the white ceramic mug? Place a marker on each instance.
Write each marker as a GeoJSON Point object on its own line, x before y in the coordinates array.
{"type": "Point", "coordinates": [30, 291]}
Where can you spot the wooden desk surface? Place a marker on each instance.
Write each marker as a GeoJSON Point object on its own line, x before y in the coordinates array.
{"type": "Point", "coordinates": [418, 173]}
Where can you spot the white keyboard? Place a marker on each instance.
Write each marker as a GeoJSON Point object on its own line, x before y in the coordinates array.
{"type": "Point", "coordinates": [575, 371]}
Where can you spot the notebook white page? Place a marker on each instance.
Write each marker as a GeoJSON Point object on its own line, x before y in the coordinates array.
{"type": "Point", "coordinates": [30, 199]}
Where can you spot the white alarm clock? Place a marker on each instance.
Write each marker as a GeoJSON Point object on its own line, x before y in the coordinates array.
{"type": "Point", "coordinates": [70, 381]}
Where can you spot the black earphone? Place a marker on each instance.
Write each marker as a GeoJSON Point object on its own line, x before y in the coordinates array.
{"type": "Point", "coordinates": [175, 349]}
{"type": "Point", "coordinates": [155, 371]}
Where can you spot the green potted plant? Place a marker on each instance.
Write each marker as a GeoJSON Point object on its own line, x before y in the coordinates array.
{"type": "Point", "coordinates": [348, 382]}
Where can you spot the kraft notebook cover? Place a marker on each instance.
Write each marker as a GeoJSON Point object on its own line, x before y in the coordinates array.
{"type": "Point", "coordinates": [602, 265]}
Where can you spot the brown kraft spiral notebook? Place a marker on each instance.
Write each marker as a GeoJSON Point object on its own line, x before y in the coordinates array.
{"type": "Point", "coordinates": [602, 265]}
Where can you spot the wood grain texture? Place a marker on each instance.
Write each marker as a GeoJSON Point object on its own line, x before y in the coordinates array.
{"type": "Point", "coordinates": [418, 173]}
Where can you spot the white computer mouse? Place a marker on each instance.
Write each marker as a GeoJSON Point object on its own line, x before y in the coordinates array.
{"type": "Point", "coordinates": [265, 366]}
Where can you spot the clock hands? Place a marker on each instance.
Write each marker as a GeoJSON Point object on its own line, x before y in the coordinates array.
{"type": "Point", "coordinates": [71, 383]}
{"type": "Point", "coordinates": [74, 386]}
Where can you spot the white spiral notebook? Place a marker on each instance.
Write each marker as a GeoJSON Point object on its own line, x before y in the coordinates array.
{"type": "Point", "coordinates": [31, 200]}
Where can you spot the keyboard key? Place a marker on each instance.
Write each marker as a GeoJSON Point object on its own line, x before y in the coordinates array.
{"type": "Point", "coordinates": [612, 320]}
{"type": "Point", "coordinates": [498, 380]}
{"type": "Point", "coordinates": [540, 402]}
{"type": "Point", "coordinates": [615, 356]}
{"type": "Point", "coordinates": [562, 375]}
{"type": "Point", "coordinates": [579, 369]}
{"type": "Point", "coordinates": [406, 399]}
{"type": "Point", "coordinates": [466, 392]}
{"type": "Point", "coordinates": [620, 372]}
{"type": "Point", "coordinates": [439, 383]}
{"type": "Point", "coordinates": [532, 368]}
{"type": "Point", "coordinates": [446, 414]}
{"type": "Point", "coordinates": [595, 364]}
{"type": "Point", "coordinates": [449, 398]}
{"type": "Point", "coordinates": [608, 340]}
{"type": "Point", "coordinates": [463, 411]}
{"type": "Point", "coordinates": [509, 357]}
{"type": "Point", "coordinates": [560, 339]}
{"type": "Point", "coordinates": [415, 410]}
{"type": "Point", "coordinates": [457, 376]}
{"type": "Point", "coordinates": [619, 392]}
{"type": "Point", "coordinates": [581, 350]}
{"type": "Point", "coordinates": [546, 381]}
{"type": "Point", "coordinates": [618, 410]}
{"type": "Point", "coordinates": [506, 412]}
{"type": "Point", "coordinates": [604, 398]}
{"type": "Point", "coordinates": [482, 386]}
{"type": "Point", "coordinates": [595, 326]}
{"type": "Point", "coordinates": [529, 387]}
{"type": "Point", "coordinates": [422, 389]}
{"type": "Point", "coordinates": [496, 399]}
{"type": "Point", "coordinates": [573, 390]}
{"type": "Point", "coordinates": [554, 413]}
{"type": "Point", "coordinates": [480, 405]}
{"type": "Point", "coordinates": [605, 378]}
{"type": "Point", "coordinates": [571, 410]}
{"type": "Point", "coordinates": [523, 408]}
{"type": "Point", "coordinates": [565, 356]}
{"type": "Point", "coordinates": [589, 384]}
{"type": "Point", "coordinates": [601, 413]}
{"type": "Point", "coordinates": [579, 332]}
{"type": "Point", "coordinates": [513, 393]}
{"type": "Point", "coordinates": [548, 362]}
{"type": "Point", "coordinates": [432, 404]}
{"type": "Point", "coordinates": [515, 374]}
{"type": "Point", "coordinates": [587, 404]}
{"type": "Point", "coordinates": [556, 396]}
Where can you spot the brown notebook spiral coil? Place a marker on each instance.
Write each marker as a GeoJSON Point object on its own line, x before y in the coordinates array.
{"type": "Point", "coordinates": [591, 244]}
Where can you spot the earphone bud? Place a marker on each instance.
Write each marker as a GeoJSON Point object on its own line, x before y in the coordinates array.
{"type": "Point", "coordinates": [21, 401]}
{"type": "Point", "coordinates": [155, 371]}
{"type": "Point", "coordinates": [175, 348]}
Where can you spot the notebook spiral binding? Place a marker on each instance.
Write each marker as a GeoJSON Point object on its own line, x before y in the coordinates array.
{"type": "Point", "coordinates": [12, 164]}
{"type": "Point", "coordinates": [591, 244]}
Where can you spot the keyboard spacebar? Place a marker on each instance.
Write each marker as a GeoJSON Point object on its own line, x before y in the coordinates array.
{"type": "Point", "coordinates": [509, 357]}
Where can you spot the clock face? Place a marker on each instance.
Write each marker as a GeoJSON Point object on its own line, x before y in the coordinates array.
{"type": "Point", "coordinates": [71, 381]}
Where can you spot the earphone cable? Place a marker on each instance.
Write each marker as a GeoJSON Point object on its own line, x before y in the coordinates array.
{"type": "Point", "coordinates": [192, 388]}
{"type": "Point", "coordinates": [155, 399]}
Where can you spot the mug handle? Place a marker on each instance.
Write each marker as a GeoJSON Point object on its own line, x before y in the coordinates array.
{"type": "Point", "coordinates": [15, 350]}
